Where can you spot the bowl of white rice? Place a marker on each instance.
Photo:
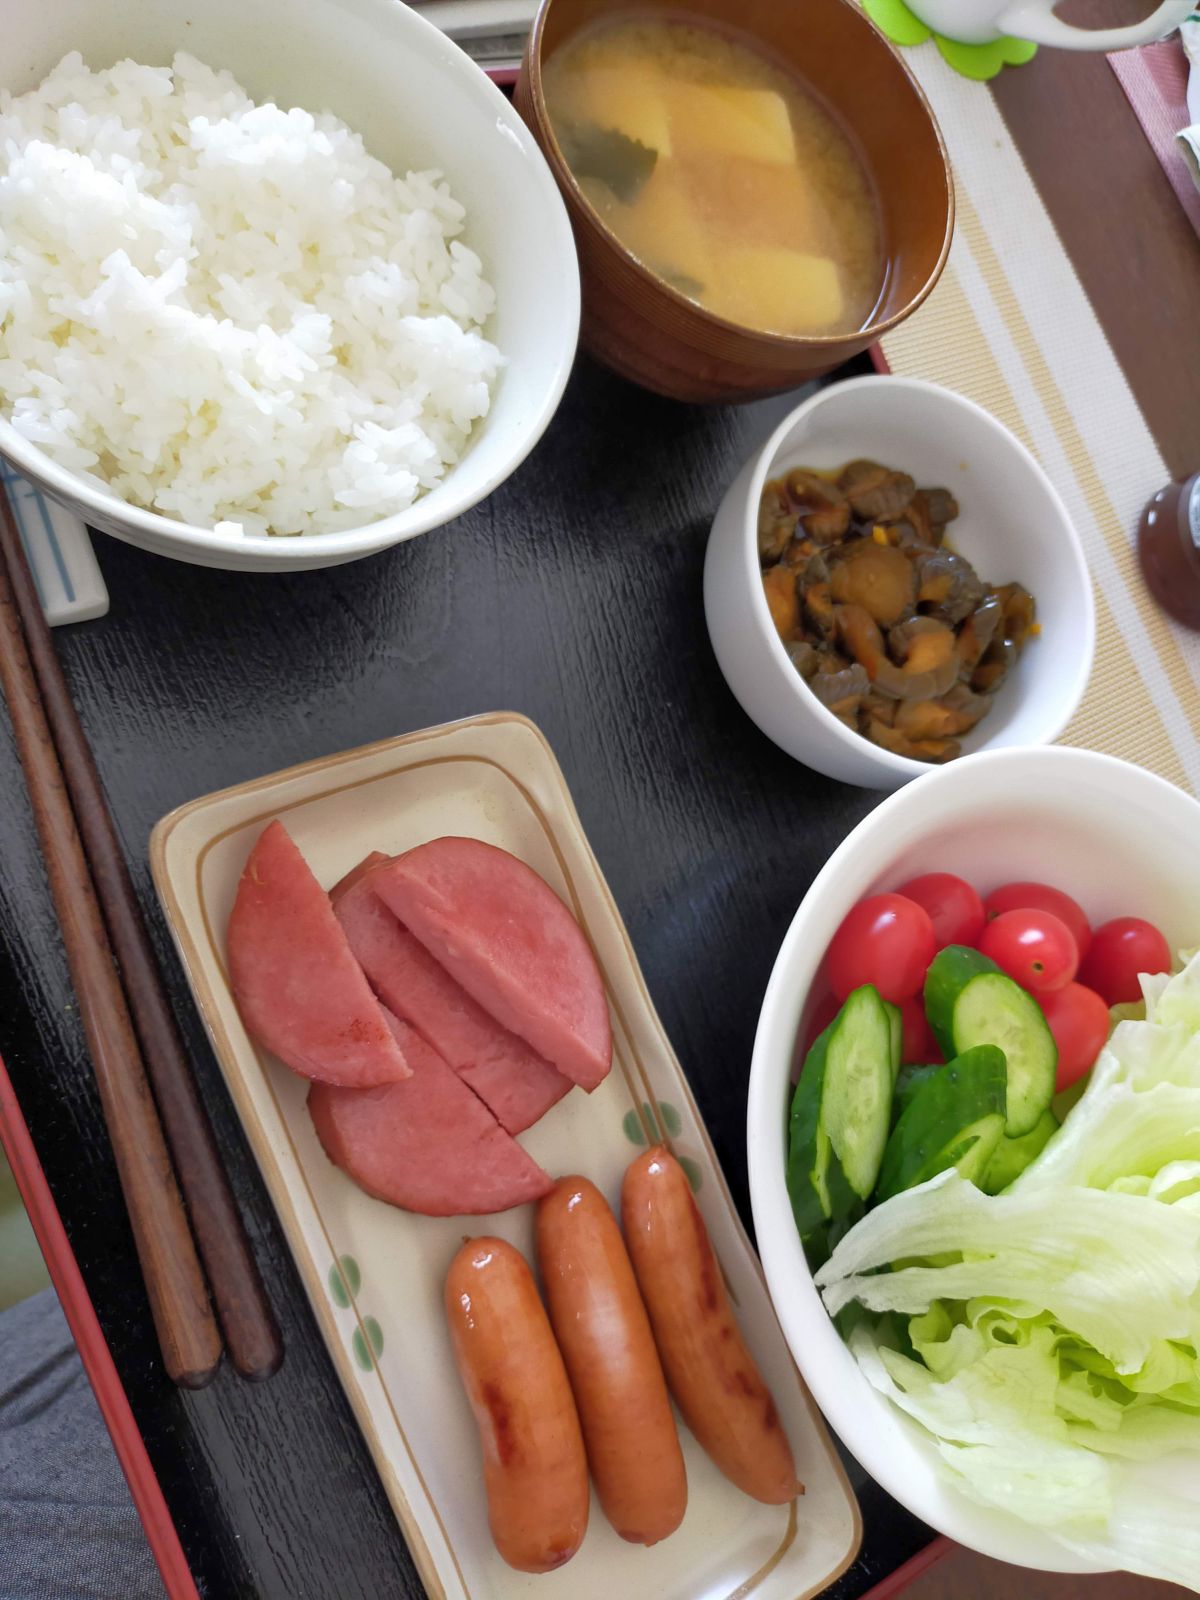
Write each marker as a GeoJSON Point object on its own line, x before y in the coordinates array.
{"type": "Point", "coordinates": [280, 285]}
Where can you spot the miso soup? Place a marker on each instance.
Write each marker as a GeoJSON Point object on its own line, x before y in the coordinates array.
{"type": "Point", "coordinates": [721, 172]}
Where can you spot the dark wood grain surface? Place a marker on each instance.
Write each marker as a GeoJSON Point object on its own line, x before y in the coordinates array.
{"type": "Point", "coordinates": [572, 595]}
{"type": "Point", "coordinates": [189, 1342]}
{"type": "Point", "coordinates": [238, 1299]}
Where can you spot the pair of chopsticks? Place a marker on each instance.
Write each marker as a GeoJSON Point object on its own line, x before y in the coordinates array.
{"type": "Point", "coordinates": [131, 1032]}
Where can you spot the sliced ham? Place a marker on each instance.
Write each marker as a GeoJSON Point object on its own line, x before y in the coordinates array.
{"type": "Point", "coordinates": [298, 988]}
{"type": "Point", "coordinates": [507, 938]}
{"type": "Point", "coordinates": [427, 1144]}
{"type": "Point", "coordinates": [507, 1074]}
{"type": "Point", "coordinates": [375, 859]}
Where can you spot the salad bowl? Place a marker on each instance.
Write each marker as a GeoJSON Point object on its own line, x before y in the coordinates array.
{"type": "Point", "coordinates": [1118, 839]}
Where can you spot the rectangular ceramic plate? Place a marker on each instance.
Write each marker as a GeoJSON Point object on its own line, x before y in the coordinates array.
{"type": "Point", "coordinates": [374, 1274]}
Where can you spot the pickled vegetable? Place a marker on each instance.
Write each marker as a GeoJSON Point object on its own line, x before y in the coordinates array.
{"type": "Point", "coordinates": [893, 630]}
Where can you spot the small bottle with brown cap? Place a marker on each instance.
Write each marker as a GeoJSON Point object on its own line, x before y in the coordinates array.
{"type": "Point", "coordinates": [1169, 550]}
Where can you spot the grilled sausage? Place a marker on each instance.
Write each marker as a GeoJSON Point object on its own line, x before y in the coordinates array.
{"type": "Point", "coordinates": [712, 1375]}
{"type": "Point", "coordinates": [604, 1334]}
{"type": "Point", "coordinates": [534, 1464]}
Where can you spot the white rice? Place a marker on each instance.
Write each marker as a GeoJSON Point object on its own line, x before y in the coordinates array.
{"type": "Point", "coordinates": [230, 313]}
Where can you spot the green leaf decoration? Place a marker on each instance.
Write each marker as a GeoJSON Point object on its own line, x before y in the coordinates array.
{"type": "Point", "coordinates": [345, 1280]}
{"type": "Point", "coordinates": [362, 1353]}
{"type": "Point", "coordinates": [622, 163]}
{"type": "Point", "coordinates": [367, 1343]}
{"type": "Point", "coordinates": [340, 1282]}
{"type": "Point", "coordinates": [980, 62]}
{"type": "Point", "coordinates": [667, 1119]}
{"type": "Point", "coordinates": [368, 1349]}
{"type": "Point", "coordinates": [893, 18]}
{"type": "Point", "coordinates": [694, 1176]}
{"type": "Point", "coordinates": [983, 61]}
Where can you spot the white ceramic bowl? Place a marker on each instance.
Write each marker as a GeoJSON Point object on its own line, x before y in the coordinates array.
{"type": "Point", "coordinates": [418, 101]}
{"type": "Point", "coordinates": [1114, 836]}
{"type": "Point", "coordinates": [1012, 526]}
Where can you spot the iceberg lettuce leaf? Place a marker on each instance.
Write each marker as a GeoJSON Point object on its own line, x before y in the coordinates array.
{"type": "Point", "coordinates": [1047, 1339]}
{"type": "Point", "coordinates": [1153, 1530]}
{"type": "Point", "coordinates": [1119, 1270]}
{"type": "Point", "coordinates": [997, 1431]}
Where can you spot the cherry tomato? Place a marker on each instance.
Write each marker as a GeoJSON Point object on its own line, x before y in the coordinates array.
{"type": "Point", "coordinates": [1042, 897]}
{"type": "Point", "coordinates": [1120, 950]}
{"type": "Point", "coordinates": [1078, 1019]}
{"type": "Point", "coordinates": [1035, 948]}
{"type": "Point", "coordinates": [954, 908]}
{"type": "Point", "coordinates": [885, 940]}
{"type": "Point", "coordinates": [919, 1048]}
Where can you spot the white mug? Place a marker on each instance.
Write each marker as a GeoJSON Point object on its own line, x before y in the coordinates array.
{"type": "Point", "coordinates": [982, 21]}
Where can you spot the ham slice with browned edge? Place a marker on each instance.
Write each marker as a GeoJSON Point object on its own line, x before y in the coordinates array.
{"type": "Point", "coordinates": [297, 985]}
{"type": "Point", "coordinates": [507, 938]}
{"type": "Point", "coordinates": [367, 864]}
{"type": "Point", "coordinates": [507, 1074]}
{"type": "Point", "coordinates": [427, 1144]}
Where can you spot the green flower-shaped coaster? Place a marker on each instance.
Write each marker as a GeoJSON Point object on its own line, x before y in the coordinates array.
{"type": "Point", "coordinates": [978, 61]}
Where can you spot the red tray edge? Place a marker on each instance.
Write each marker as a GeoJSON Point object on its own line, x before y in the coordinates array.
{"type": "Point", "coordinates": [93, 1350]}
{"type": "Point", "coordinates": [914, 1568]}
{"type": "Point", "coordinates": [110, 1394]}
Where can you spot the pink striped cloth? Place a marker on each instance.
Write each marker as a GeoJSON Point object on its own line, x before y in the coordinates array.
{"type": "Point", "coordinates": [1155, 80]}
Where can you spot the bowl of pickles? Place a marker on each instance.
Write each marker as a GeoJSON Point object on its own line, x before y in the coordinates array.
{"type": "Point", "coordinates": [892, 582]}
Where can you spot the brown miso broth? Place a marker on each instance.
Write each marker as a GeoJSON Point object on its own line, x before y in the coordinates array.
{"type": "Point", "coordinates": [721, 172]}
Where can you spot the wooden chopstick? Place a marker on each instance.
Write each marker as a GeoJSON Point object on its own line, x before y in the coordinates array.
{"type": "Point", "coordinates": [245, 1314]}
{"type": "Point", "coordinates": [187, 1330]}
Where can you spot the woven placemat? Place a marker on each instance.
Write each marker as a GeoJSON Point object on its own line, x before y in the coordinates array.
{"type": "Point", "coordinates": [1010, 326]}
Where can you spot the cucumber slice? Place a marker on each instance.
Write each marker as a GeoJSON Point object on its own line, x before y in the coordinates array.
{"type": "Point", "coordinates": [970, 1002]}
{"type": "Point", "coordinates": [1012, 1156]}
{"type": "Point", "coordinates": [909, 1081]}
{"type": "Point", "coordinates": [816, 1184]}
{"type": "Point", "coordinates": [840, 1112]}
{"type": "Point", "coordinates": [856, 1107]}
{"type": "Point", "coordinates": [896, 1022]}
{"type": "Point", "coordinates": [820, 1244]}
{"type": "Point", "coordinates": [949, 973]}
{"type": "Point", "coordinates": [954, 1118]}
{"type": "Point", "coordinates": [978, 1148]}
{"type": "Point", "coordinates": [1067, 1099]}
{"type": "Point", "coordinates": [992, 1009]}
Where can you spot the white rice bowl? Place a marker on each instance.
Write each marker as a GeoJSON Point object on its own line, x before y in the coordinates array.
{"type": "Point", "coordinates": [228, 313]}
